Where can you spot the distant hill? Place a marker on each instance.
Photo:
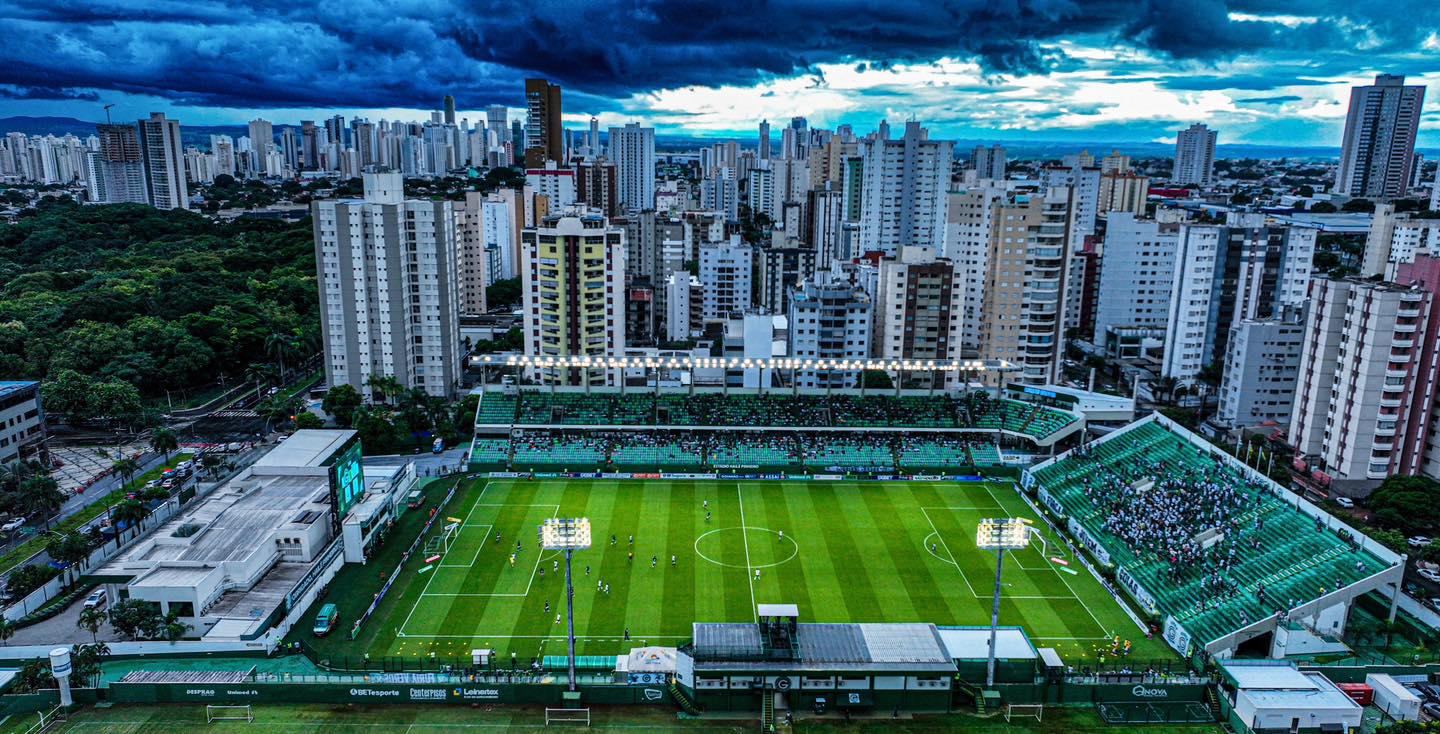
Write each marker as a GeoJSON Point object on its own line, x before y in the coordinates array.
{"type": "Point", "coordinates": [191, 134]}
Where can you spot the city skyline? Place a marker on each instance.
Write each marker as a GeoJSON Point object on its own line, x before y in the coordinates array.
{"type": "Point", "coordinates": [1101, 72]}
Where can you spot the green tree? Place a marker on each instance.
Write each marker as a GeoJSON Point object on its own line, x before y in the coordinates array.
{"type": "Point", "coordinates": [164, 441]}
{"type": "Point", "coordinates": [341, 402]}
{"type": "Point", "coordinates": [877, 379]}
{"type": "Point", "coordinates": [41, 495]}
{"type": "Point", "coordinates": [383, 387]}
{"type": "Point", "coordinates": [129, 512]}
{"type": "Point", "coordinates": [92, 619]}
{"type": "Point", "coordinates": [116, 400]}
{"type": "Point", "coordinates": [70, 549]}
{"type": "Point", "coordinates": [1410, 504]}
{"type": "Point", "coordinates": [277, 409]}
{"type": "Point", "coordinates": [261, 375]}
{"type": "Point", "coordinates": [7, 630]}
{"type": "Point", "coordinates": [26, 579]}
{"type": "Point", "coordinates": [126, 468]}
{"type": "Point", "coordinates": [69, 393]}
{"type": "Point", "coordinates": [305, 419]}
{"type": "Point", "coordinates": [133, 617]}
{"type": "Point", "coordinates": [172, 628]}
{"type": "Point", "coordinates": [503, 293]}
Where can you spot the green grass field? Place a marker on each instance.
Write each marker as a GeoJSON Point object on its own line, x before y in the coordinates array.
{"type": "Point", "coordinates": [303, 719]}
{"type": "Point", "coordinates": [850, 552]}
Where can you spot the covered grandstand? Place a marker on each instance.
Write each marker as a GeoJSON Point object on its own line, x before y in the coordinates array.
{"type": "Point", "coordinates": [1217, 553]}
{"type": "Point", "coordinates": [599, 429]}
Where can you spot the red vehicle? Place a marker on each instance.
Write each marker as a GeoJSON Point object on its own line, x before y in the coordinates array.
{"type": "Point", "coordinates": [1358, 692]}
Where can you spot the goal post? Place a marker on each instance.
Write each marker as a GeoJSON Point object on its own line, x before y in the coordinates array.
{"type": "Point", "coordinates": [1024, 709]}
{"type": "Point", "coordinates": [243, 712]}
{"type": "Point", "coordinates": [567, 716]}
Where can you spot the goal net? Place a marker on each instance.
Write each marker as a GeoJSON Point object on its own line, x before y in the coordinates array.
{"type": "Point", "coordinates": [1024, 709]}
{"type": "Point", "coordinates": [440, 542]}
{"type": "Point", "coordinates": [229, 713]}
{"type": "Point", "coordinates": [567, 716]}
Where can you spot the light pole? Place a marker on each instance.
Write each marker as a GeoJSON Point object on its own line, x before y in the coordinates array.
{"type": "Point", "coordinates": [567, 535]}
{"type": "Point", "coordinates": [999, 534]}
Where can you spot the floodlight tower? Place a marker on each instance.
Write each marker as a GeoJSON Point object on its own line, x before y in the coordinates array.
{"type": "Point", "coordinates": [999, 534]}
{"type": "Point", "coordinates": [567, 535]}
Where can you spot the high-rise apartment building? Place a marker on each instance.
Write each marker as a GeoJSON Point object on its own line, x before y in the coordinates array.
{"type": "Point", "coordinates": [389, 288]}
{"type": "Point", "coordinates": [573, 279]}
{"type": "Point", "coordinates": [1225, 274]}
{"type": "Point", "coordinates": [904, 186]}
{"type": "Point", "coordinates": [597, 186]}
{"type": "Point", "coordinates": [262, 141]}
{"type": "Point", "coordinates": [829, 318]}
{"type": "Point", "coordinates": [1136, 279]}
{"type": "Point", "coordinates": [967, 244]}
{"type": "Point", "coordinates": [449, 103]}
{"type": "Point", "coordinates": [163, 161]}
{"type": "Point", "coordinates": [1379, 144]}
{"type": "Point", "coordinates": [726, 279]}
{"type": "Point", "coordinates": [544, 131]}
{"type": "Point", "coordinates": [1123, 192]}
{"type": "Point", "coordinates": [1026, 282]}
{"type": "Point", "coordinates": [989, 163]}
{"type": "Point", "coordinates": [763, 151]}
{"type": "Point", "coordinates": [1261, 367]}
{"type": "Point", "coordinates": [632, 148]}
{"type": "Point", "coordinates": [1194, 156]}
{"type": "Point", "coordinates": [1365, 406]}
{"type": "Point", "coordinates": [1396, 238]}
{"type": "Point", "coordinates": [116, 172]}
{"type": "Point", "coordinates": [919, 310]}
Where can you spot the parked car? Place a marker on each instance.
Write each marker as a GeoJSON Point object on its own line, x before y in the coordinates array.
{"type": "Point", "coordinates": [1432, 710]}
{"type": "Point", "coordinates": [1430, 575]}
{"type": "Point", "coordinates": [326, 620]}
{"type": "Point", "coordinates": [96, 599]}
{"type": "Point", "coordinates": [1345, 502]}
{"type": "Point", "coordinates": [13, 525]}
{"type": "Point", "coordinates": [1418, 541]}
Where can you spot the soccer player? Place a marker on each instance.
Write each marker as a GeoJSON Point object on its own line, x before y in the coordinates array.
{"type": "Point", "coordinates": [555, 566]}
{"type": "Point", "coordinates": [782, 534]}
{"type": "Point", "coordinates": [672, 559]}
{"type": "Point", "coordinates": [557, 619]}
{"type": "Point", "coordinates": [612, 539]}
{"type": "Point", "coordinates": [599, 584]}
{"type": "Point", "coordinates": [632, 540]}
{"type": "Point", "coordinates": [587, 570]}
{"type": "Point", "coordinates": [757, 574]}
{"type": "Point", "coordinates": [512, 560]}
{"type": "Point", "coordinates": [547, 607]}
{"type": "Point", "coordinates": [542, 572]}
{"type": "Point", "coordinates": [607, 589]}
{"type": "Point", "coordinates": [705, 505]}
{"type": "Point", "coordinates": [630, 556]}
{"type": "Point", "coordinates": [707, 517]}
{"type": "Point", "coordinates": [653, 561]}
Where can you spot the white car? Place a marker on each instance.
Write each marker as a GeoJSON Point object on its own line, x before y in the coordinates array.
{"type": "Point", "coordinates": [1430, 575]}
{"type": "Point", "coordinates": [1345, 502]}
{"type": "Point", "coordinates": [96, 599]}
{"type": "Point", "coordinates": [1418, 541]}
{"type": "Point", "coordinates": [13, 525]}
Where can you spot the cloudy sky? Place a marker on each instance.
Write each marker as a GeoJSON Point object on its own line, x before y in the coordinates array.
{"type": "Point", "coordinates": [1262, 71]}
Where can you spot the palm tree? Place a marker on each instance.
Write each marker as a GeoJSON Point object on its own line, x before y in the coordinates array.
{"type": "Point", "coordinates": [7, 630]}
{"type": "Point", "coordinates": [260, 374]}
{"type": "Point", "coordinates": [277, 408]}
{"type": "Point", "coordinates": [163, 440]}
{"type": "Point", "coordinates": [92, 619]}
{"type": "Point", "coordinates": [277, 344]}
{"type": "Point", "coordinates": [127, 468]}
{"type": "Point", "coordinates": [383, 386]}
{"type": "Point", "coordinates": [130, 512]}
{"type": "Point", "coordinates": [70, 549]}
{"type": "Point", "coordinates": [1163, 389]}
{"type": "Point", "coordinates": [41, 494]}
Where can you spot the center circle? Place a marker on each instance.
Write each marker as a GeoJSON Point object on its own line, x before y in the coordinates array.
{"type": "Point", "coordinates": [742, 530]}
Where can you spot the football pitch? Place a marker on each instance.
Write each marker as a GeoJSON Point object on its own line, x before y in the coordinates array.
{"type": "Point", "coordinates": [669, 553]}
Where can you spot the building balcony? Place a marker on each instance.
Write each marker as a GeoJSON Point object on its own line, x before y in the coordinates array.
{"type": "Point", "coordinates": [1390, 402]}
{"type": "Point", "coordinates": [1402, 344]}
{"type": "Point", "coordinates": [1406, 328]}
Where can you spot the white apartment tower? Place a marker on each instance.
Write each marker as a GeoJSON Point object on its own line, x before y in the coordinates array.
{"type": "Point", "coordinates": [1136, 278]}
{"type": "Point", "coordinates": [829, 318]}
{"type": "Point", "coordinates": [904, 185]}
{"type": "Point", "coordinates": [388, 282]}
{"type": "Point", "coordinates": [632, 149]}
{"type": "Point", "coordinates": [164, 162]}
{"type": "Point", "coordinates": [1194, 156]}
{"type": "Point", "coordinates": [726, 279]}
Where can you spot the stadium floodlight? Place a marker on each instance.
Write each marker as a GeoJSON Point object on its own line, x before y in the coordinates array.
{"type": "Point", "coordinates": [999, 534]}
{"type": "Point", "coordinates": [568, 535]}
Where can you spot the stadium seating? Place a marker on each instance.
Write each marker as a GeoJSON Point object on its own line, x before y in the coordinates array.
{"type": "Point", "coordinates": [846, 452]}
{"type": "Point", "coordinates": [559, 450]}
{"type": "Point", "coordinates": [946, 452]}
{"type": "Point", "coordinates": [649, 450]}
{"type": "Point", "coordinates": [490, 451]}
{"type": "Point", "coordinates": [742, 450]}
{"type": "Point", "coordinates": [1295, 560]}
{"type": "Point", "coordinates": [777, 409]}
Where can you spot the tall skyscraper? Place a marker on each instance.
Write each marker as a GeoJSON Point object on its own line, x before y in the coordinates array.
{"type": "Point", "coordinates": [164, 162]}
{"type": "Point", "coordinates": [1136, 278]}
{"type": "Point", "coordinates": [1244, 269]}
{"type": "Point", "coordinates": [829, 318]}
{"type": "Point", "coordinates": [632, 148]}
{"type": "Point", "coordinates": [988, 162]}
{"type": "Point", "coordinates": [262, 141]}
{"type": "Point", "coordinates": [919, 308]}
{"type": "Point", "coordinates": [449, 109]}
{"type": "Point", "coordinates": [497, 121]}
{"type": "Point", "coordinates": [309, 145]}
{"type": "Point", "coordinates": [763, 152]}
{"type": "Point", "coordinates": [544, 133]}
{"type": "Point", "coordinates": [116, 174]}
{"type": "Point", "coordinates": [597, 186]}
{"type": "Point", "coordinates": [1379, 145]}
{"type": "Point", "coordinates": [1194, 156]}
{"type": "Point", "coordinates": [572, 274]}
{"type": "Point", "coordinates": [388, 284]}
{"type": "Point", "coordinates": [905, 182]}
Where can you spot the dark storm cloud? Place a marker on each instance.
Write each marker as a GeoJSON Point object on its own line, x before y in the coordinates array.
{"type": "Point", "coordinates": [366, 53]}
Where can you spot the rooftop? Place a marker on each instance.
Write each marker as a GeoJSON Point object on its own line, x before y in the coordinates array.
{"type": "Point", "coordinates": [10, 387]}
{"type": "Point", "coordinates": [897, 647]}
{"type": "Point", "coordinates": [309, 448]}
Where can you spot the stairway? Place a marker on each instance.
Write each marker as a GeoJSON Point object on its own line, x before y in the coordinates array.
{"type": "Point", "coordinates": [767, 712]}
{"type": "Point", "coordinates": [682, 700]}
{"type": "Point", "coordinates": [1214, 700]}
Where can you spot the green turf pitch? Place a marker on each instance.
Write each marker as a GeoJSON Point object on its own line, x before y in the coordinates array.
{"type": "Point", "coordinates": [841, 551]}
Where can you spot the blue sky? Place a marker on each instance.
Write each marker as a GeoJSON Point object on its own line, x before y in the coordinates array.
{"type": "Point", "coordinates": [1261, 71]}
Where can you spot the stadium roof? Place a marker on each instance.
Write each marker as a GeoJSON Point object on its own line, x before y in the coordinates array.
{"type": "Point", "coordinates": [857, 647]}
{"type": "Point", "coordinates": [305, 448]}
{"type": "Point", "coordinates": [973, 643]}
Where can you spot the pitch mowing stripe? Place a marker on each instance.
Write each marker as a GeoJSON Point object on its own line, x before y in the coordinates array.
{"type": "Point", "coordinates": [880, 549]}
{"type": "Point", "coordinates": [919, 573]}
{"type": "Point", "coordinates": [861, 599]}
{"type": "Point", "coordinates": [646, 592]}
{"type": "Point", "coordinates": [679, 579]}
{"type": "Point", "coordinates": [737, 593]}
{"type": "Point", "coordinates": [784, 583]}
{"type": "Point", "coordinates": [712, 582]}
{"type": "Point", "coordinates": [827, 594]}
{"type": "Point", "coordinates": [594, 502]}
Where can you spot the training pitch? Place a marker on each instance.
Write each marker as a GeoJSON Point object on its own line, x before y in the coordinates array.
{"type": "Point", "coordinates": [842, 551]}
